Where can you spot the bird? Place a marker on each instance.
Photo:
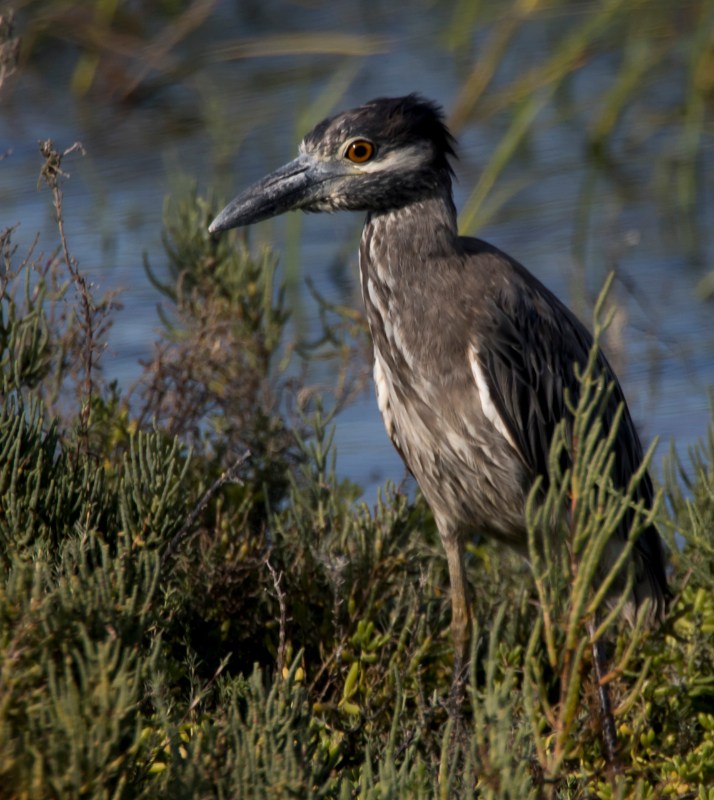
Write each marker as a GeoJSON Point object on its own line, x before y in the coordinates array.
{"type": "Point", "coordinates": [473, 355]}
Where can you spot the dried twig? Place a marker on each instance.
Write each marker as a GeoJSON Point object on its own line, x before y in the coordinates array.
{"type": "Point", "coordinates": [229, 476]}
{"type": "Point", "coordinates": [283, 614]}
{"type": "Point", "coordinates": [202, 694]}
{"type": "Point", "coordinates": [51, 172]}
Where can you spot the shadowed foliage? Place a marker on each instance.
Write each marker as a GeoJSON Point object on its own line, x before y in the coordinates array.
{"type": "Point", "coordinates": [297, 644]}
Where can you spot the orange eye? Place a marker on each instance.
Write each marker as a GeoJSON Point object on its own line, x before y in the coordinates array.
{"type": "Point", "coordinates": [360, 151]}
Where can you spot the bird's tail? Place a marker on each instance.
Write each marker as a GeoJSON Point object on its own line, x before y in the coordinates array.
{"type": "Point", "coordinates": [650, 579]}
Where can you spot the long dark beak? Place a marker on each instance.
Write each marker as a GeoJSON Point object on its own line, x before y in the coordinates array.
{"type": "Point", "coordinates": [291, 186]}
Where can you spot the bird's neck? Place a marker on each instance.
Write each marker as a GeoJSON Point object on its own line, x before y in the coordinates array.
{"type": "Point", "coordinates": [425, 226]}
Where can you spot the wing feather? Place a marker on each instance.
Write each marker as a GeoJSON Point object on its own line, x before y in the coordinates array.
{"type": "Point", "coordinates": [529, 344]}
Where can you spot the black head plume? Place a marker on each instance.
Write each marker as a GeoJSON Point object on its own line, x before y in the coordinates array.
{"type": "Point", "coordinates": [393, 122]}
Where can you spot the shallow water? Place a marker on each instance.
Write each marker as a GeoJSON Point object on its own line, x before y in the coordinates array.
{"type": "Point", "coordinates": [241, 119]}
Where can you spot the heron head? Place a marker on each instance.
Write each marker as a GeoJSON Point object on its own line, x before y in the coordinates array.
{"type": "Point", "coordinates": [383, 155]}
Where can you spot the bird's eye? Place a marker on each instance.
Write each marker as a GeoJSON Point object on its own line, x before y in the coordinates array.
{"type": "Point", "coordinates": [360, 151]}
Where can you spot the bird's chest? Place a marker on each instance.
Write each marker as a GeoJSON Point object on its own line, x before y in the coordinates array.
{"type": "Point", "coordinates": [405, 311]}
{"type": "Point", "coordinates": [403, 377]}
{"type": "Point", "coordinates": [418, 359]}
{"type": "Point", "coordinates": [425, 387]}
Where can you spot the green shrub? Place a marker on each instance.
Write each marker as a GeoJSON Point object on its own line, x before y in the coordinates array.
{"type": "Point", "coordinates": [297, 642]}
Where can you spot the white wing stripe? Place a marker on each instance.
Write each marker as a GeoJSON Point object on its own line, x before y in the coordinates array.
{"type": "Point", "coordinates": [487, 406]}
{"type": "Point", "coordinates": [380, 384]}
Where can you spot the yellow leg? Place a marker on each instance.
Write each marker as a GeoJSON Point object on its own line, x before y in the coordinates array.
{"type": "Point", "coordinates": [460, 617]}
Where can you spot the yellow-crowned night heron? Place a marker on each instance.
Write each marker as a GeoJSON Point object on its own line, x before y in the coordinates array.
{"type": "Point", "coordinates": [472, 353]}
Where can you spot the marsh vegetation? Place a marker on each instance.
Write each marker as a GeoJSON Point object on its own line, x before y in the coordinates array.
{"type": "Point", "coordinates": [295, 641]}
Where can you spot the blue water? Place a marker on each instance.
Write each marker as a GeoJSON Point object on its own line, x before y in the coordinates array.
{"type": "Point", "coordinates": [249, 112]}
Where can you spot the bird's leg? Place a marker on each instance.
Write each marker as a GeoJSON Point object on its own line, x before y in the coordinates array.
{"type": "Point", "coordinates": [609, 731]}
{"type": "Point", "coordinates": [460, 619]}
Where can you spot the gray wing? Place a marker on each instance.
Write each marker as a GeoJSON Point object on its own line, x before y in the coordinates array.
{"type": "Point", "coordinates": [530, 343]}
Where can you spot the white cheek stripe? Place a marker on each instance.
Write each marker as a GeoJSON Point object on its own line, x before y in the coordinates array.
{"type": "Point", "coordinates": [405, 159]}
{"type": "Point", "coordinates": [487, 406]}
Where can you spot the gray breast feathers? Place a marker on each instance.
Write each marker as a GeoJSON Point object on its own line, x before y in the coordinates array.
{"type": "Point", "coordinates": [383, 403]}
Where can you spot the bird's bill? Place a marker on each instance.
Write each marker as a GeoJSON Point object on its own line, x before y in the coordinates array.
{"type": "Point", "coordinates": [293, 186]}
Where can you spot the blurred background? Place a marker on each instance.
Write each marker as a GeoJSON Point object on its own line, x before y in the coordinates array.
{"type": "Point", "coordinates": [585, 146]}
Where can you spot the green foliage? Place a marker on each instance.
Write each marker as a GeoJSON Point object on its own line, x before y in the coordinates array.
{"type": "Point", "coordinates": [74, 666]}
{"type": "Point", "coordinates": [692, 515]}
{"type": "Point", "coordinates": [31, 341]}
{"type": "Point", "coordinates": [213, 379]}
{"type": "Point", "coordinates": [297, 644]}
{"type": "Point", "coordinates": [44, 493]}
{"type": "Point", "coordinates": [24, 332]}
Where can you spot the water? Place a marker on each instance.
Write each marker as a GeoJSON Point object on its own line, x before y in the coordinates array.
{"type": "Point", "coordinates": [232, 122]}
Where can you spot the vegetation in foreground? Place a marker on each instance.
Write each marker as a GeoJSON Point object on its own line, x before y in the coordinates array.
{"type": "Point", "coordinates": [280, 639]}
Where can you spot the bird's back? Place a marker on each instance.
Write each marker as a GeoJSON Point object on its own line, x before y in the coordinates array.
{"type": "Point", "coordinates": [535, 343]}
{"type": "Point", "coordinates": [472, 359]}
